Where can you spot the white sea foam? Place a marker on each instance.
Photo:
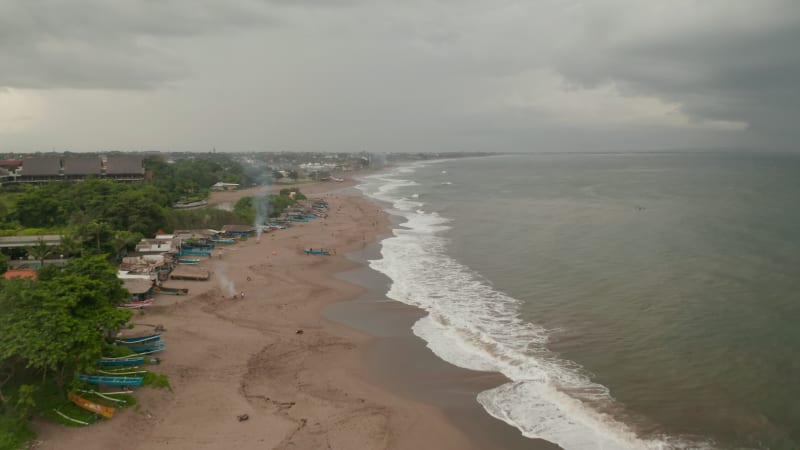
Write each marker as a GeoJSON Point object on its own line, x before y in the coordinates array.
{"type": "Point", "coordinates": [473, 325]}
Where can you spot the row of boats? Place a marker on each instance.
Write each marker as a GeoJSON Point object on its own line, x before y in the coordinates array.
{"type": "Point", "coordinates": [121, 371]}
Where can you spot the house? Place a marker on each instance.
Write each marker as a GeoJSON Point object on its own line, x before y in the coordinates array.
{"type": "Point", "coordinates": [184, 237]}
{"type": "Point", "coordinates": [20, 273]}
{"type": "Point", "coordinates": [155, 246]}
{"type": "Point", "coordinates": [220, 186]}
{"type": "Point", "coordinates": [238, 230]}
{"type": "Point", "coordinates": [136, 267]}
{"type": "Point", "coordinates": [10, 164]}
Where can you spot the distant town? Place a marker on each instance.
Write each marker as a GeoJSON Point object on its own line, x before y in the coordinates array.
{"type": "Point", "coordinates": [260, 168]}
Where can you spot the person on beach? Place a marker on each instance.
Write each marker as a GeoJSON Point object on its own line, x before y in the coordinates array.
{"type": "Point", "coordinates": [241, 294]}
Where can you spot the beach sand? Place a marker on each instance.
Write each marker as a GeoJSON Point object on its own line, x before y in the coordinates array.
{"type": "Point", "coordinates": [303, 380]}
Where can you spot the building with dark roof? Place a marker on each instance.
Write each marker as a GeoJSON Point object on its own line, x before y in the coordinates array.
{"type": "Point", "coordinates": [80, 168]}
{"type": "Point", "coordinates": [41, 169]}
{"type": "Point", "coordinates": [125, 168]}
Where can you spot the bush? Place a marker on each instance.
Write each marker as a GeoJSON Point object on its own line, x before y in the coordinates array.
{"type": "Point", "coordinates": [14, 432]}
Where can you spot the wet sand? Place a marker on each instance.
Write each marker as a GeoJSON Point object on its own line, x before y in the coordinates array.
{"type": "Point", "coordinates": [400, 361]}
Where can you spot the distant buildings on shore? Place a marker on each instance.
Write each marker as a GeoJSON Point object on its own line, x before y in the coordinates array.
{"type": "Point", "coordinates": [43, 169]}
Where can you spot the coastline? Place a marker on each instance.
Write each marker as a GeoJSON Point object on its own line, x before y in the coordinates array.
{"type": "Point", "coordinates": [228, 357]}
{"type": "Point", "coordinates": [362, 383]}
{"type": "Point", "coordinates": [400, 361]}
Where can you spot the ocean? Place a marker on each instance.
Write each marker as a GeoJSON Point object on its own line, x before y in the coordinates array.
{"type": "Point", "coordinates": [633, 300]}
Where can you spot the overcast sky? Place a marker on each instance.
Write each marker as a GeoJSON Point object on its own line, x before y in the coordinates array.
{"type": "Point", "coordinates": [410, 75]}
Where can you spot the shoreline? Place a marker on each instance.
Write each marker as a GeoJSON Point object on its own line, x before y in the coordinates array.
{"type": "Point", "coordinates": [400, 361]}
{"type": "Point", "coordinates": [303, 379]}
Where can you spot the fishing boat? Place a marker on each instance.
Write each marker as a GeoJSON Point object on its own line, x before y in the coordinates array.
{"type": "Point", "coordinates": [138, 304]}
{"type": "Point", "coordinates": [111, 381]}
{"type": "Point", "coordinates": [320, 251]}
{"type": "Point", "coordinates": [199, 246]}
{"type": "Point", "coordinates": [127, 361]}
{"type": "Point", "coordinates": [136, 340]}
{"type": "Point", "coordinates": [188, 261]}
{"type": "Point", "coordinates": [149, 347]}
{"type": "Point", "coordinates": [223, 241]}
{"type": "Point", "coordinates": [190, 252]}
{"type": "Point", "coordinates": [105, 411]}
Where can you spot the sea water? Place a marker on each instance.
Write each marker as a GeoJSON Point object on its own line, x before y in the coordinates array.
{"type": "Point", "coordinates": [634, 300]}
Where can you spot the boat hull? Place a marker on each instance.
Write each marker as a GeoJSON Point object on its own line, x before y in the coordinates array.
{"type": "Point", "coordinates": [105, 411]}
{"type": "Point", "coordinates": [111, 381]}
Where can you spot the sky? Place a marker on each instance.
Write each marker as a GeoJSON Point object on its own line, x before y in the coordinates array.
{"type": "Point", "coordinates": [410, 75]}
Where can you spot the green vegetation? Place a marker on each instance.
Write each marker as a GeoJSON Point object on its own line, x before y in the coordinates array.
{"type": "Point", "coordinates": [59, 325]}
{"type": "Point", "coordinates": [200, 218]}
{"type": "Point", "coordinates": [14, 432]}
{"type": "Point", "coordinates": [97, 216]}
{"type": "Point", "coordinates": [247, 207]}
{"type": "Point", "coordinates": [190, 179]}
{"type": "Point", "coordinates": [156, 380]}
{"type": "Point", "coordinates": [136, 208]}
{"type": "Point", "coordinates": [50, 330]}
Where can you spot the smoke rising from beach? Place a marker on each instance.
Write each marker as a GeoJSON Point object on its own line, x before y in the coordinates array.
{"type": "Point", "coordinates": [225, 283]}
{"type": "Point", "coordinates": [261, 206]}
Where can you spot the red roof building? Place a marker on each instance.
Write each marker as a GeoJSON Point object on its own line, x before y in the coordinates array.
{"type": "Point", "coordinates": [20, 273]}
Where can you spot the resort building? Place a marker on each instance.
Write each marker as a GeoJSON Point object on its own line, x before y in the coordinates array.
{"type": "Point", "coordinates": [43, 169]}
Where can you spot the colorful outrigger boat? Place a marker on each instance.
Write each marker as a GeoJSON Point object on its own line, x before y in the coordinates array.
{"type": "Point", "coordinates": [223, 241]}
{"type": "Point", "coordinates": [147, 347]}
{"type": "Point", "coordinates": [192, 261]}
{"type": "Point", "coordinates": [111, 381]}
{"type": "Point", "coordinates": [136, 340]}
{"type": "Point", "coordinates": [190, 252]}
{"type": "Point", "coordinates": [138, 304]}
{"type": "Point", "coordinates": [105, 411]}
{"type": "Point", "coordinates": [110, 362]}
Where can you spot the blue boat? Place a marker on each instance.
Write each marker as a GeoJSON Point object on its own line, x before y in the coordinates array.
{"type": "Point", "coordinates": [111, 381]}
{"type": "Point", "coordinates": [190, 252]}
{"type": "Point", "coordinates": [191, 261]}
{"type": "Point", "coordinates": [321, 251]}
{"type": "Point", "coordinates": [154, 347]}
{"type": "Point", "coordinates": [136, 340]}
{"type": "Point", "coordinates": [200, 246]}
{"type": "Point", "coordinates": [120, 362]}
{"type": "Point", "coordinates": [223, 241]}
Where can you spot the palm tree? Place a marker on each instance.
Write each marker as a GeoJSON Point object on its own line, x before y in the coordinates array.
{"type": "Point", "coordinates": [70, 246]}
{"type": "Point", "coordinates": [40, 251]}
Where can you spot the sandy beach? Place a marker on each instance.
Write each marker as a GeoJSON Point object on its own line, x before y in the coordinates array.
{"type": "Point", "coordinates": [304, 381]}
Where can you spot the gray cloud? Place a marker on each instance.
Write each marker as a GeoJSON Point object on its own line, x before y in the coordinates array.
{"type": "Point", "coordinates": [739, 64]}
{"type": "Point", "coordinates": [111, 45]}
{"type": "Point", "coordinates": [425, 74]}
